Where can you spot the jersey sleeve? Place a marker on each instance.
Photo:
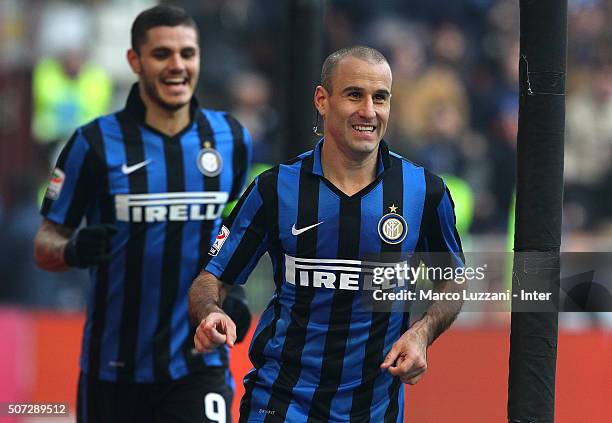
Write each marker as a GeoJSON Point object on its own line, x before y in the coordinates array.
{"type": "Point", "coordinates": [71, 184]}
{"type": "Point", "coordinates": [242, 240]}
{"type": "Point", "coordinates": [442, 239]}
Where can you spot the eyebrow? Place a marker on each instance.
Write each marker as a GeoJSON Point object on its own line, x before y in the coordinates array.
{"type": "Point", "coordinates": [385, 92]}
{"type": "Point", "coordinates": [354, 88]}
{"type": "Point", "coordinates": [166, 48]}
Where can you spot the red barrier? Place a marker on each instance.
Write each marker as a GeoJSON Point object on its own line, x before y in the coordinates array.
{"type": "Point", "coordinates": [467, 378]}
{"type": "Point", "coordinates": [15, 358]}
{"type": "Point", "coordinates": [584, 377]}
{"type": "Point", "coordinates": [57, 348]}
{"type": "Point", "coordinates": [239, 366]}
{"type": "Point", "coordinates": [466, 381]}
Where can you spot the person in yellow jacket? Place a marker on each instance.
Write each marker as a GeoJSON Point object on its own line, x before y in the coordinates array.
{"type": "Point", "coordinates": [67, 92]}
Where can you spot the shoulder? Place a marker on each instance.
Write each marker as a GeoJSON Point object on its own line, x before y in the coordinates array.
{"type": "Point", "coordinates": [411, 166]}
{"type": "Point", "coordinates": [213, 113]}
{"type": "Point", "coordinates": [100, 127]}
{"type": "Point", "coordinates": [407, 164]}
{"type": "Point", "coordinates": [434, 184]}
{"type": "Point", "coordinates": [296, 163]}
{"type": "Point", "coordinates": [221, 122]}
{"type": "Point", "coordinates": [269, 178]}
{"type": "Point", "coordinates": [93, 135]}
{"type": "Point", "coordinates": [85, 134]}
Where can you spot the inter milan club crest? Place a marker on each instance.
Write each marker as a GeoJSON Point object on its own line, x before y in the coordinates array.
{"type": "Point", "coordinates": [392, 228]}
{"type": "Point", "coordinates": [209, 161]}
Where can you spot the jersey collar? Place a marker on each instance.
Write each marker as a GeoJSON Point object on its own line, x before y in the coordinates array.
{"type": "Point", "coordinates": [136, 108]}
{"type": "Point", "coordinates": [384, 162]}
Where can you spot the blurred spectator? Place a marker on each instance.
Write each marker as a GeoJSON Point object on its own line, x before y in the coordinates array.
{"type": "Point", "coordinates": [501, 129]}
{"type": "Point", "coordinates": [404, 44]}
{"type": "Point", "coordinates": [589, 149]}
{"type": "Point", "coordinates": [250, 93]}
{"type": "Point", "coordinates": [455, 87]}
{"type": "Point", "coordinates": [450, 48]}
{"type": "Point", "coordinates": [502, 157]}
{"type": "Point", "coordinates": [443, 131]}
{"type": "Point", "coordinates": [587, 24]}
{"type": "Point", "coordinates": [439, 90]}
{"type": "Point", "coordinates": [338, 28]}
{"type": "Point", "coordinates": [67, 88]}
{"type": "Point", "coordinates": [68, 92]}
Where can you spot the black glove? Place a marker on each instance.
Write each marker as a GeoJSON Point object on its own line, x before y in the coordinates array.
{"type": "Point", "coordinates": [237, 307]}
{"type": "Point", "coordinates": [90, 246]}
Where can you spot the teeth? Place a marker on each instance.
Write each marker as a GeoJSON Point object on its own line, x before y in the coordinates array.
{"type": "Point", "coordinates": [174, 81]}
{"type": "Point", "coordinates": [364, 128]}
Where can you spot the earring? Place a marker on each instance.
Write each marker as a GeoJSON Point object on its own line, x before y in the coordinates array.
{"type": "Point", "coordinates": [315, 128]}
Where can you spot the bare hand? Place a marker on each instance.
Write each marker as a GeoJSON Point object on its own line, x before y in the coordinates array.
{"type": "Point", "coordinates": [408, 357]}
{"type": "Point", "coordinates": [215, 330]}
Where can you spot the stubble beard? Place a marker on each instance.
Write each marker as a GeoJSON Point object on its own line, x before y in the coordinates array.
{"type": "Point", "coordinates": [152, 93]}
{"type": "Point", "coordinates": [361, 147]}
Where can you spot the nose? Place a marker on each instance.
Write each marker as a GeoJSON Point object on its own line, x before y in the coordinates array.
{"type": "Point", "coordinates": [176, 63]}
{"type": "Point", "coordinates": [367, 108]}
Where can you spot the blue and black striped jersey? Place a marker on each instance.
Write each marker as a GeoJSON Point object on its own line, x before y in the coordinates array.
{"type": "Point", "coordinates": [316, 352]}
{"type": "Point", "coordinates": [165, 195]}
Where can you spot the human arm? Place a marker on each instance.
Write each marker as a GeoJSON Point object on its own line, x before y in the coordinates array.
{"type": "Point", "coordinates": [235, 252]}
{"type": "Point", "coordinates": [57, 247]}
{"type": "Point", "coordinates": [215, 327]}
{"type": "Point", "coordinates": [407, 358]}
{"type": "Point", "coordinates": [73, 186]}
{"type": "Point", "coordinates": [49, 245]}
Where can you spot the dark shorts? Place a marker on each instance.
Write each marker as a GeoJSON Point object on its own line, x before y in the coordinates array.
{"type": "Point", "coordinates": [197, 398]}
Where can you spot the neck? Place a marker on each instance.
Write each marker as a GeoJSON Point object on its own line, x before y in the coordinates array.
{"type": "Point", "coordinates": [348, 172]}
{"type": "Point", "coordinates": [168, 122]}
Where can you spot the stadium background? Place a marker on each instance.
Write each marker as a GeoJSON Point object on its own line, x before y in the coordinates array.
{"type": "Point", "coordinates": [454, 109]}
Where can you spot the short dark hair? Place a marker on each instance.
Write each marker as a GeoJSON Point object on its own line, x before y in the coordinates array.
{"type": "Point", "coordinates": [162, 15]}
{"type": "Point", "coordinates": [360, 52]}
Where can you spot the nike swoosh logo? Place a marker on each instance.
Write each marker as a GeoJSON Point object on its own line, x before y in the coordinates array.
{"type": "Point", "coordinates": [126, 170]}
{"type": "Point", "coordinates": [296, 232]}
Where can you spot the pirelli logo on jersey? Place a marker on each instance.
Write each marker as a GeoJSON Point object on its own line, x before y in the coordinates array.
{"type": "Point", "coordinates": [170, 206]}
{"type": "Point", "coordinates": [351, 275]}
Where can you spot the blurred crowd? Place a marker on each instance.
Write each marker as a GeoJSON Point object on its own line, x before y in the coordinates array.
{"type": "Point", "coordinates": [455, 89]}
{"type": "Point", "coordinates": [454, 105]}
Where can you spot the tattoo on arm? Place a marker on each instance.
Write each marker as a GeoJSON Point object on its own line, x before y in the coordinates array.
{"type": "Point", "coordinates": [206, 295]}
{"type": "Point", "coordinates": [49, 245]}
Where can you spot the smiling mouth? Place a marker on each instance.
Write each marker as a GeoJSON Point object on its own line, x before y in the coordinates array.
{"type": "Point", "coordinates": [175, 81]}
{"type": "Point", "coordinates": [364, 128]}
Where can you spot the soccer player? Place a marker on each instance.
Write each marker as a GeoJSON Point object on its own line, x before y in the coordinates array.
{"type": "Point", "coordinates": [152, 181]}
{"type": "Point", "coordinates": [318, 355]}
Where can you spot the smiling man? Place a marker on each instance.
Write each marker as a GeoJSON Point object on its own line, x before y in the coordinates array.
{"type": "Point", "coordinates": [152, 181]}
{"type": "Point", "coordinates": [318, 354]}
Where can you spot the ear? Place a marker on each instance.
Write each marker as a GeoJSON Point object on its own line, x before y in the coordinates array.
{"type": "Point", "coordinates": [320, 100]}
{"type": "Point", "coordinates": [134, 61]}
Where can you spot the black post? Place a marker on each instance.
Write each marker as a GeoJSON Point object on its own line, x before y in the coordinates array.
{"type": "Point", "coordinates": [533, 339]}
{"type": "Point", "coordinates": [305, 59]}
